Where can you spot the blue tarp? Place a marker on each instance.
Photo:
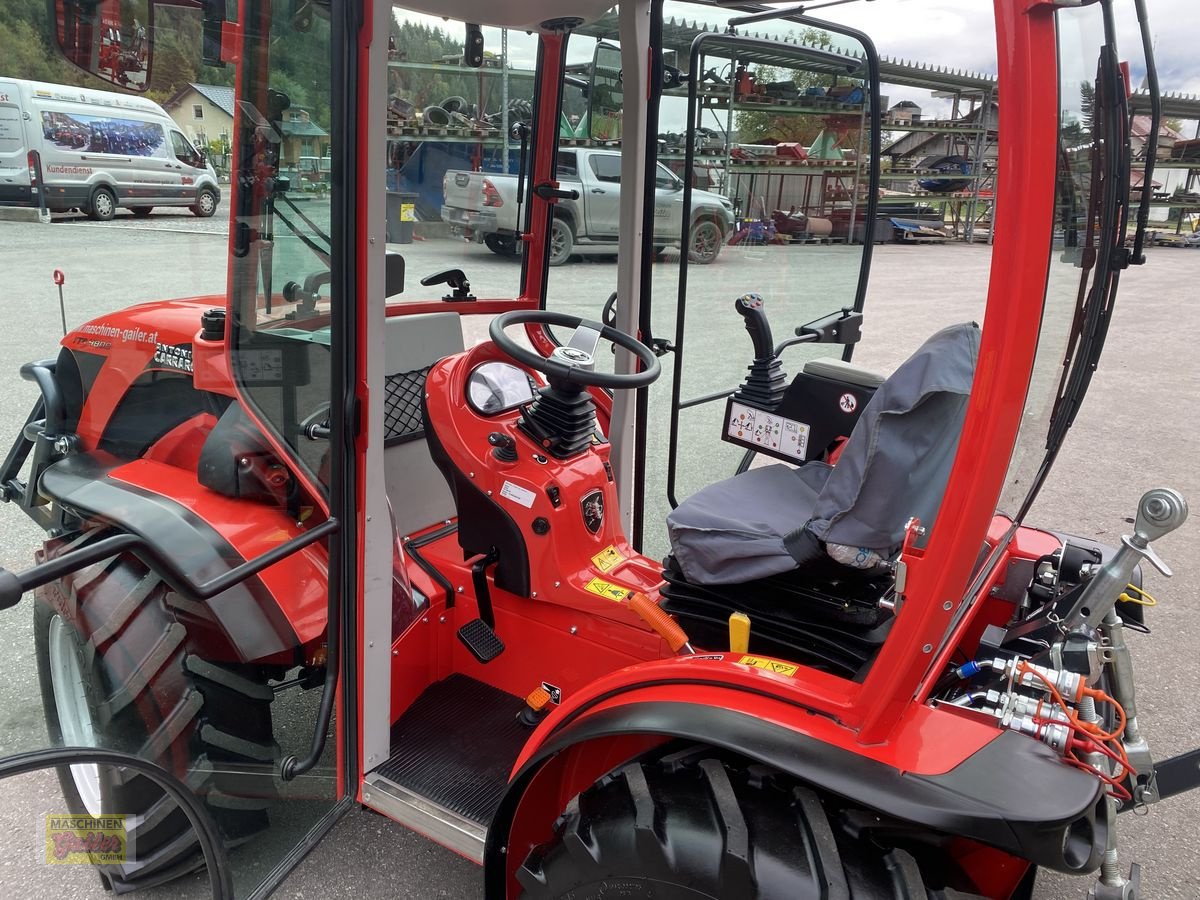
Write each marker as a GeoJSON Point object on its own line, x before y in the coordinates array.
{"type": "Point", "coordinates": [423, 172]}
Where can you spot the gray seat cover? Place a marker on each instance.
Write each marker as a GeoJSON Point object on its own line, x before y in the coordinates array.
{"type": "Point", "coordinates": [769, 520]}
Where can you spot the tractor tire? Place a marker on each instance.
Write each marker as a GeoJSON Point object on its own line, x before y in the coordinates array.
{"type": "Point", "coordinates": [103, 205]}
{"type": "Point", "coordinates": [206, 204]}
{"type": "Point", "coordinates": [501, 246]}
{"type": "Point", "coordinates": [697, 824]}
{"type": "Point", "coordinates": [562, 241]}
{"type": "Point", "coordinates": [704, 245]}
{"type": "Point", "coordinates": [120, 669]}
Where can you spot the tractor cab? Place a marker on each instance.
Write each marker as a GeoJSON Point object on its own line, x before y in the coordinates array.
{"type": "Point", "coordinates": [543, 480]}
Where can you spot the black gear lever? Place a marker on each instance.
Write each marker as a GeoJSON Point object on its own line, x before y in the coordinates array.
{"type": "Point", "coordinates": [455, 279]}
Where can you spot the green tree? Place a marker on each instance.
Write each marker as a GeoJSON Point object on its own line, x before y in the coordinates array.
{"type": "Point", "coordinates": [763, 126]}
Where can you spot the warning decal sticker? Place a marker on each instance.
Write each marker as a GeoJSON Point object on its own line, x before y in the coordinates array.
{"type": "Point", "coordinates": [608, 559]}
{"type": "Point", "coordinates": [770, 665]}
{"type": "Point", "coordinates": [608, 589]}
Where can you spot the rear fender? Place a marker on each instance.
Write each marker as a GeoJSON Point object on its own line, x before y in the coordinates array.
{"type": "Point", "coordinates": [266, 618]}
{"type": "Point", "coordinates": [1006, 791]}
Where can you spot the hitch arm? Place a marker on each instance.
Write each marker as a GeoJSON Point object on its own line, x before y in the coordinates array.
{"type": "Point", "coordinates": [1177, 775]}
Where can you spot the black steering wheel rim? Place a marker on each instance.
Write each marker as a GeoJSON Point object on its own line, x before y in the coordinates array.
{"type": "Point", "coordinates": [555, 370]}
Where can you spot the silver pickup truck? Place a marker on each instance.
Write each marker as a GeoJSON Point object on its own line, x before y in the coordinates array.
{"type": "Point", "coordinates": [483, 206]}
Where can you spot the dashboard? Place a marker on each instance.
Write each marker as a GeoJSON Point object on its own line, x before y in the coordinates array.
{"type": "Point", "coordinates": [497, 387]}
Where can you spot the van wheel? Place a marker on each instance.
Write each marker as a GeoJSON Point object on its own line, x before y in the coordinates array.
{"type": "Point", "coordinates": [562, 241]}
{"type": "Point", "coordinates": [706, 241]}
{"type": "Point", "coordinates": [141, 211]}
{"type": "Point", "coordinates": [103, 206]}
{"type": "Point", "coordinates": [206, 203]}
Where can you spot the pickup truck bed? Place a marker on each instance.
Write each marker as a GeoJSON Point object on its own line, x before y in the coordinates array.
{"type": "Point", "coordinates": [483, 206]}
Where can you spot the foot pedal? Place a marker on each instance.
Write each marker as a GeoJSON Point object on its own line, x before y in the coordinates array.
{"type": "Point", "coordinates": [478, 637]}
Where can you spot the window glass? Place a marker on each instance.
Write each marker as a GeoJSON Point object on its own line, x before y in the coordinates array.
{"type": "Point", "coordinates": [607, 167]}
{"type": "Point", "coordinates": [203, 462]}
{"type": "Point", "coordinates": [664, 178]}
{"type": "Point", "coordinates": [183, 150]}
{"type": "Point", "coordinates": [1080, 34]}
{"type": "Point", "coordinates": [452, 157]}
{"type": "Point", "coordinates": [567, 164]}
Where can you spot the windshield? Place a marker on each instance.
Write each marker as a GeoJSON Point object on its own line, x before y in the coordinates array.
{"type": "Point", "coordinates": [1075, 255]}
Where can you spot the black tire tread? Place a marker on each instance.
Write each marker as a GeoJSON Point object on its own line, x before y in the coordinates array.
{"type": "Point", "coordinates": [203, 718]}
{"type": "Point", "coordinates": [698, 822]}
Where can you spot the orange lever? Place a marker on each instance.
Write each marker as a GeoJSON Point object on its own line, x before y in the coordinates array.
{"type": "Point", "coordinates": [537, 699]}
{"type": "Point", "coordinates": [658, 619]}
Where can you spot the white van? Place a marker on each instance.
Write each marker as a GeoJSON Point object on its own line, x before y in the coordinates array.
{"type": "Point", "coordinates": [74, 148]}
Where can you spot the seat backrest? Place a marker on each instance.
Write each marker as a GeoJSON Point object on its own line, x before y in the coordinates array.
{"type": "Point", "coordinates": [897, 461]}
{"type": "Point", "coordinates": [415, 487]}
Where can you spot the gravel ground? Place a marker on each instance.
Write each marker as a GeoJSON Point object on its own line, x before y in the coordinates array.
{"type": "Point", "coordinates": [1136, 430]}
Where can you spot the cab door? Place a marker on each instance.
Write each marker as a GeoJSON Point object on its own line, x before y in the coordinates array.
{"type": "Point", "coordinates": [602, 194]}
{"type": "Point", "coordinates": [668, 204]}
{"type": "Point", "coordinates": [183, 170]}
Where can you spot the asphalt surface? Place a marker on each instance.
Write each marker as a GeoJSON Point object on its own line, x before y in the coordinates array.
{"type": "Point", "coordinates": [1137, 430]}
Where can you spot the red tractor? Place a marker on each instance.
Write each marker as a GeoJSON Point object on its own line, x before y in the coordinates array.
{"type": "Point", "coordinates": [313, 506]}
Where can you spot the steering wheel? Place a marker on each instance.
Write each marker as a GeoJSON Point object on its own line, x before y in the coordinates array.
{"type": "Point", "coordinates": [574, 362]}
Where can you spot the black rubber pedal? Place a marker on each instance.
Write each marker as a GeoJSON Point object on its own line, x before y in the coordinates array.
{"type": "Point", "coordinates": [478, 637]}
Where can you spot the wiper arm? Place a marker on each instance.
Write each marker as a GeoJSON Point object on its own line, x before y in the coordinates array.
{"type": "Point", "coordinates": [307, 221]}
{"type": "Point", "coordinates": [321, 253]}
{"type": "Point", "coordinates": [1137, 257]}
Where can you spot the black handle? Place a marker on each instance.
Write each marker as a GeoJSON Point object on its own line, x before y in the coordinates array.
{"type": "Point", "coordinates": [750, 308]}
{"type": "Point", "coordinates": [12, 585]}
{"type": "Point", "coordinates": [547, 192]}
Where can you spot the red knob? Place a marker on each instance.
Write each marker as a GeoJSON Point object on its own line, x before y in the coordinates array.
{"type": "Point", "coordinates": [59, 278]}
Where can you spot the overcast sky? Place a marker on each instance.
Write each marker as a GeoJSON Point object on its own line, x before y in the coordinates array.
{"type": "Point", "coordinates": [961, 33]}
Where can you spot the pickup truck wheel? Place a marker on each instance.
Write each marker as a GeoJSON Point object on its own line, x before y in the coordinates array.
{"type": "Point", "coordinates": [705, 243]}
{"type": "Point", "coordinates": [118, 668]}
{"type": "Point", "coordinates": [562, 241]}
{"type": "Point", "coordinates": [501, 246]}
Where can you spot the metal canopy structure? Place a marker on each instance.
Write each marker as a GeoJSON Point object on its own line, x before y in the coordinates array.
{"type": "Point", "coordinates": [678, 35]}
{"type": "Point", "coordinates": [1174, 106]}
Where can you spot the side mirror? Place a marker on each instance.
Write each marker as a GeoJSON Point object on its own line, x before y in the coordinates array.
{"type": "Point", "coordinates": [111, 39]}
{"type": "Point", "coordinates": [605, 94]}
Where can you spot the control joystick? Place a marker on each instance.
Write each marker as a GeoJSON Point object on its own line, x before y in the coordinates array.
{"type": "Point", "coordinates": [765, 385]}
{"type": "Point", "coordinates": [504, 447]}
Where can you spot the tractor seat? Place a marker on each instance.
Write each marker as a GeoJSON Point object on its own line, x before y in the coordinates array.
{"type": "Point", "coordinates": [820, 520]}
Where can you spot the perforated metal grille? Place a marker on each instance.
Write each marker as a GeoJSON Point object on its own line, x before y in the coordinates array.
{"type": "Point", "coordinates": [402, 420]}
